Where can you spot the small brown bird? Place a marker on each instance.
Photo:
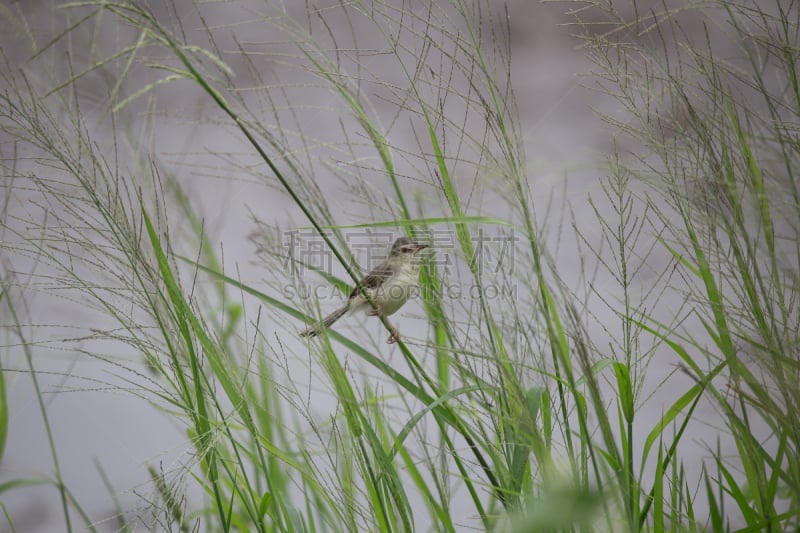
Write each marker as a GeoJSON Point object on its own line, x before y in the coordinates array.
{"type": "Point", "coordinates": [389, 285]}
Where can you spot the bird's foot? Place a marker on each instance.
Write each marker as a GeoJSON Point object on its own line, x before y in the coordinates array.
{"type": "Point", "coordinates": [376, 311]}
{"type": "Point", "coordinates": [394, 335]}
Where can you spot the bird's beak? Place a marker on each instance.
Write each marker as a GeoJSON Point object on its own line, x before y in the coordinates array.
{"type": "Point", "coordinates": [419, 246]}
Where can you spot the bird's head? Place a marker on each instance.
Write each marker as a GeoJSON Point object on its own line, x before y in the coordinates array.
{"type": "Point", "coordinates": [406, 247]}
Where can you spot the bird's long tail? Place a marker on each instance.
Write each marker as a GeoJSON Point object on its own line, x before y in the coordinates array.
{"type": "Point", "coordinates": [327, 321]}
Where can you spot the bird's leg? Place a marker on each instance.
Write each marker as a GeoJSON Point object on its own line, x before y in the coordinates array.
{"type": "Point", "coordinates": [394, 335]}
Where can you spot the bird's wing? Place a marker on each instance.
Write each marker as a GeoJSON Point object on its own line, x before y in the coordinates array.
{"type": "Point", "coordinates": [373, 280]}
